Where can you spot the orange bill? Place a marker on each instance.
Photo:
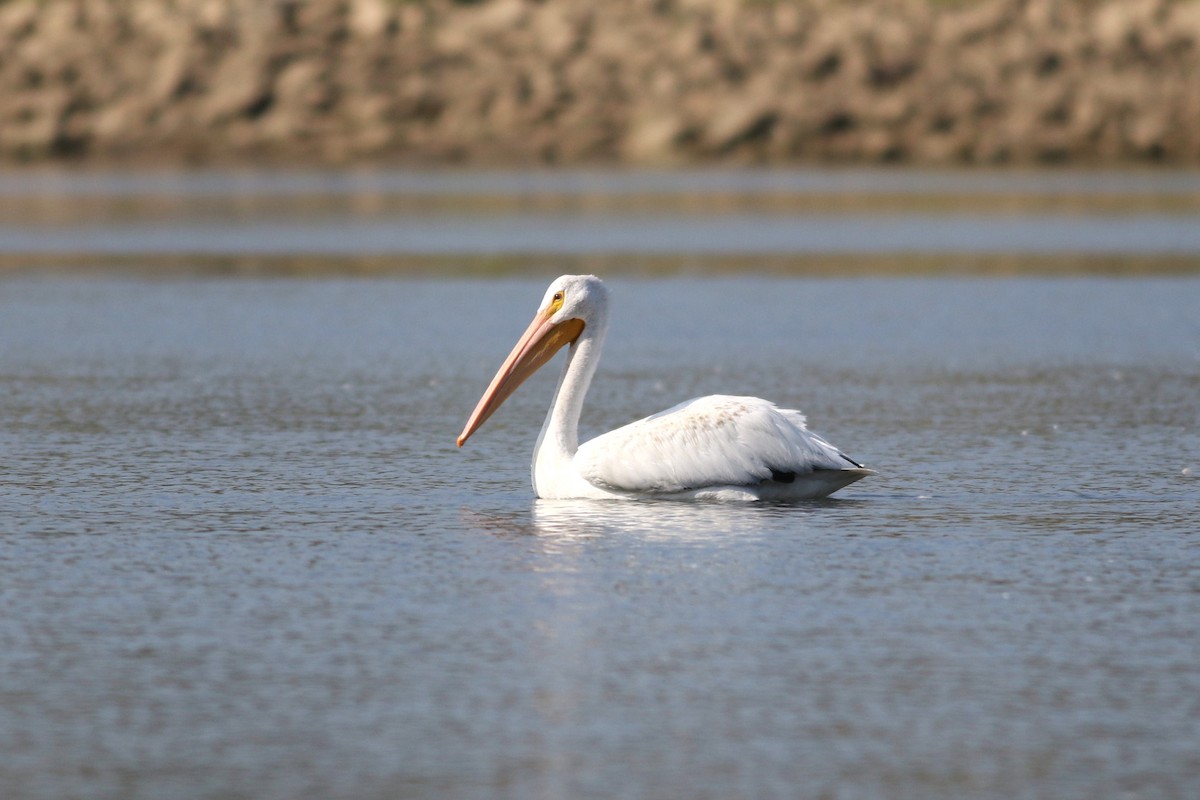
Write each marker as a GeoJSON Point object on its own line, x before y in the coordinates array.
{"type": "Point", "coordinates": [536, 346]}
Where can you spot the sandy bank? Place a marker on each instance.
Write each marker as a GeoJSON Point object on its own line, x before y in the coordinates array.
{"type": "Point", "coordinates": [573, 81]}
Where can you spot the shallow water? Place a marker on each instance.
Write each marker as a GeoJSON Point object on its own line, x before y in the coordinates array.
{"type": "Point", "coordinates": [696, 215]}
{"type": "Point", "coordinates": [242, 557]}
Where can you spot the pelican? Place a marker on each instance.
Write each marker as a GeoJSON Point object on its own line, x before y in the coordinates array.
{"type": "Point", "coordinates": [711, 448]}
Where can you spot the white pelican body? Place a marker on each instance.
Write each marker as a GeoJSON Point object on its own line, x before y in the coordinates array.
{"type": "Point", "coordinates": [717, 447]}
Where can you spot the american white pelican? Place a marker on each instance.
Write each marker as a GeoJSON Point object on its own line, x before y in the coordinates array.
{"type": "Point", "coordinates": [716, 447]}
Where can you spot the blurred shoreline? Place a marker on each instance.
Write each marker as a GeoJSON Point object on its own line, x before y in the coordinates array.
{"type": "Point", "coordinates": [511, 83]}
{"type": "Point", "coordinates": [714, 221]}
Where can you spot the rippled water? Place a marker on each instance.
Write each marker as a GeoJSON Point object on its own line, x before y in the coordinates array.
{"type": "Point", "coordinates": [241, 556]}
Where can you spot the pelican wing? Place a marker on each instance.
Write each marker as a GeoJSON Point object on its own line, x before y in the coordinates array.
{"type": "Point", "coordinates": [709, 441]}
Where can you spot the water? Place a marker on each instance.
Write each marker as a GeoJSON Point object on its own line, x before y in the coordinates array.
{"type": "Point", "coordinates": [240, 555]}
{"type": "Point", "coordinates": [700, 215]}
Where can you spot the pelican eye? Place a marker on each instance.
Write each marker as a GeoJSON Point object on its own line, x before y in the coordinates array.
{"type": "Point", "coordinates": [556, 302]}
{"type": "Point", "coordinates": [558, 297]}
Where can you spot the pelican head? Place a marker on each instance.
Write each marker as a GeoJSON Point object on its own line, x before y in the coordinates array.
{"type": "Point", "coordinates": [570, 305]}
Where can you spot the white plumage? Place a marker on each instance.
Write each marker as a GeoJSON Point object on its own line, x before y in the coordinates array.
{"type": "Point", "coordinates": [717, 447]}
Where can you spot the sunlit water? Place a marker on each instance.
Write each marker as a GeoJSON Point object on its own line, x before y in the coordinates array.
{"type": "Point", "coordinates": [241, 556]}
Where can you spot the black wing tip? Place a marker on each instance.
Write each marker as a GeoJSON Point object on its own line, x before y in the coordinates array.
{"type": "Point", "coordinates": [789, 476]}
{"type": "Point", "coordinates": [851, 460]}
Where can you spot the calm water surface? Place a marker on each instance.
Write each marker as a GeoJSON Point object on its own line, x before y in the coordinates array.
{"type": "Point", "coordinates": [241, 557]}
{"type": "Point", "coordinates": [697, 215]}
